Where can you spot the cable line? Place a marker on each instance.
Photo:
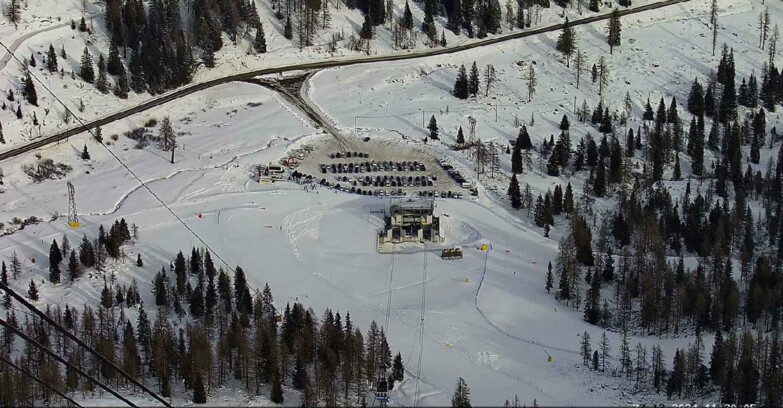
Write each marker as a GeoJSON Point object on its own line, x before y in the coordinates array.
{"type": "Point", "coordinates": [143, 184]}
{"type": "Point", "coordinates": [39, 381]}
{"type": "Point", "coordinates": [78, 341]}
{"type": "Point", "coordinates": [62, 360]}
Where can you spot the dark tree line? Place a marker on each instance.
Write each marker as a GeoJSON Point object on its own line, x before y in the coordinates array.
{"type": "Point", "coordinates": [210, 328]}
{"type": "Point", "coordinates": [727, 215]}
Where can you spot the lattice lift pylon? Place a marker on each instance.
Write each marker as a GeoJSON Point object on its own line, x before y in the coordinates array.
{"type": "Point", "coordinates": [73, 219]}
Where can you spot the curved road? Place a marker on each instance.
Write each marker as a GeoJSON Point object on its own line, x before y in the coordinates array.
{"type": "Point", "coordinates": [244, 76]}
{"type": "Point", "coordinates": [17, 42]}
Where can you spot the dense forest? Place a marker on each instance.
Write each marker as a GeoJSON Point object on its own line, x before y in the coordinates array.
{"type": "Point", "coordinates": [647, 249]}
{"type": "Point", "coordinates": [207, 329]}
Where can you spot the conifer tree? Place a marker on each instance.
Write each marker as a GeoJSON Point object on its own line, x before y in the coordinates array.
{"type": "Point", "coordinates": [86, 71]}
{"type": "Point", "coordinates": [28, 89]}
{"type": "Point", "coordinates": [460, 136]}
{"type": "Point", "coordinates": [74, 270]}
{"type": "Point", "coordinates": [122, 87]}
{"type": "Point", "coordinates": [51, 59]}
{"type": "Point", "coordinates": [566, 42]}
{"type": "Point", "coordinates": [613, 28]}
{"type": "Point", "coordinates": [514, 193]}
{"type": "Point", "coordinates": [366, 30]}
{"type": "Point", "coordinates": [114, 64]}
{"type": "Point", "coordinates": [102, 83]}
{"type": "Point", "coordinates": [32, 291]}
{"type": "Point", "coordinates": [260, 41]}
{"type": "Point", "coordinates": [407, 17]}
{"type": "Point", "coordinates": [461, 397]}
{"type": "Point", "coordinates": [55, 257]}
{"type": "Point", "coordinates": [433, 128]}
{"type": "Point", "coordinates": [461, 84]}
{"type": "Point", "coordinates": [593, 305]}
{"type": "Point", "coordinates": [516, 156]}
{"type": "Point", "coordinates": [473, 80]}
{"type": "Point", "coordinates": [398, 370]}
{"type": "Point", "coordinates": [586, 348]}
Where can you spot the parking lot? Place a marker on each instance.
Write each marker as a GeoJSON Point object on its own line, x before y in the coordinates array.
{"type": "Point", "coordinates": [380, 168]}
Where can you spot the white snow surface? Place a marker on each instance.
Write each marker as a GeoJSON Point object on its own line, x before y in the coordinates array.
{"type": "Point", "coordinates": [493, 325]}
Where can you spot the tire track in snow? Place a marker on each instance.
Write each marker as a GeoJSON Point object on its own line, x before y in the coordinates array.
{"type": "Point", "coordinates": [507, 334]}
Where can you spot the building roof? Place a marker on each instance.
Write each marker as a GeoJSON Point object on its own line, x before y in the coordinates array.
{"type": "Point", "coordinates": [412, 204]}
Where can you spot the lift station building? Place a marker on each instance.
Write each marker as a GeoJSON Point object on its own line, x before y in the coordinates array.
{"type": "Point", "coordinates": [410, 220]}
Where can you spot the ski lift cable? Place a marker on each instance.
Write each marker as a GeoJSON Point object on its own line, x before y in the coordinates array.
{"type": "Point", "coordinates": [54, 355]}
{"type": "Point", "coordinates": [39, 381]}
{"type": "Point", "coordinates": [132, 173]}
{"type": "Point", "coordinates": [81, 343]}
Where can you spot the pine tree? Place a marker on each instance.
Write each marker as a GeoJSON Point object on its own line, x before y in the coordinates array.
{"type": "Point", "coordinates": [55, 257]}
{"type": "Point", "coordinates": [677, 378]}
{"type": "Point", "coordinates": [366, 30]}
{"type": "Point", "coordinates": [516, 156]}
{"type": "Point", "coordinates": [260, 40]}
{"type": "Point", "coordinates": [473, 81]}
{"type": "Point", "coordinates": [122, 87]}
{"type": "Point", "coordinates": [32, 291]}
{"type": "Point", "coordinates": [407, 17]}
{"type": "Point", "coordinates": [613, 28]}
{"type": "Point", "coordinates": [696, 99]}
{"type": "Point", "coordinates": [433, 128]}
{"type": "Point", "coordinates": [102, 83]}
{"type": "Point", "coordinates": [28, 89]}
{"type": "Point", "coordinates": [566, 42]}
{"type": "Point", "coordinates": [514, 193]}
{"type": "Point", "coordinates": [605, 349]}
{"type": "Point", "coordinates": [460, 136]}
{"type": "Point", "coordinates": [86, 71]}
{"type": "Point", "coordinates": [461, 84]}
{"type": "Point", "coordinates": [461, 397]}
{"type": "Point", "coordinates": [114, 64]}
{"type": "Point", "coordinates": [593, 6]}
{"type": "Point", "coordinates": [51, 59]}
{"type": "Point", "coordinates": [586, 348]}
{"type": "Point", "coordinates": [74, 270]}
{"type": "Point", "coordinates": [592, 313]}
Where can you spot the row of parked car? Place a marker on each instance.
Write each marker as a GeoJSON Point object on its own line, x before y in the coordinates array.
{"type": "Point", "coordinates": [348, 155]}
{"type": "Point", "coordinates": [455, 174]}
{"type": "Point", "coordinates": [389, 181]}
{"type": "Point", "coordinates": [372, 167]}
{"type": "Point", "coordinates": [389, 192]}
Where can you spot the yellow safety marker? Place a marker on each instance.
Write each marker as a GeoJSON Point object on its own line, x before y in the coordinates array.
{"type": "Point", "coordinates": [484, 247]}
{"type": "Point", "coordinates": [467, 280]}
{"type": "Point", "coordinates": [74, 225]}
